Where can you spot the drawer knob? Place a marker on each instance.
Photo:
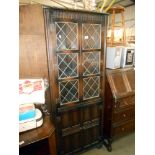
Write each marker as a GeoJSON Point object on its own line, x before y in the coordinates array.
{"type": "Point", "coordinates": [124, 115]}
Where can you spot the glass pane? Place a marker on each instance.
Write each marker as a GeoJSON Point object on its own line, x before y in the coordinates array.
{"type": "Point", "coordinates": [66, 33]}
{"type": "Point", "coordinates": [91, 36]}
{"type": "Point", "coordinates": [91, 86]}
{"type": "Point", "coordinates": [91, 63]}
{"type": "Point", "coordinates": [67, 65]}
{"type": "Point", "coordinates": [69, 91]}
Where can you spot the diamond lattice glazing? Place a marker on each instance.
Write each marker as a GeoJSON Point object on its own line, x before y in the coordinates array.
{"type": "Point", "coordinates": [69, 91]}
{"type": "Point", "coordinates": [91, 36]}
{"type": "Point", "coordinates": [67, 65]}
{"type": "Point", "coordinates": [91, 63]}
{"type": "Point", "coordinates": [66, 34]}
{"type": "Point", "coordinates": [91, 87]}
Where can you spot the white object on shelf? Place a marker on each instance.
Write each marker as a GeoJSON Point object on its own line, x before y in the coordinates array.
{"type": "Point", "coordinates": [113, 57]}
{"type": "Point", "coordinates": [31, 124]}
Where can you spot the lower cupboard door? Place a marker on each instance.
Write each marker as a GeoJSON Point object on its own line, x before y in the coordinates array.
{"type": "Point", "coordinates": [91, 136]}
{"type": "Point", "coordinates": [81, 140]}
{"type": "Point", "coordinates": [71, 143]}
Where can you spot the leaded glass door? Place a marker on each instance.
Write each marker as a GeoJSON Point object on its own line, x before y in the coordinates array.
{"type": "Point", "coordinates": [67, 61]}
{"type": "Point", "coordinates": [68, 76]}
{"type": "Point", "coordinates": [70, 57]}
{"type": "Point", "coordinates": [79, 82]}
{"type": "Point", "coordinates": [91, 57]}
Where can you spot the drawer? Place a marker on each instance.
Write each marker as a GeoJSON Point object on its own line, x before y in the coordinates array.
{"type": "Point", "coordinates": [130, 100]}
{"type": "Point", "coordinates": [123, 115]}
{"type": "Point", "coordinates": [124, 128]}
{"type": "Point", "coordinates": [124, 102]}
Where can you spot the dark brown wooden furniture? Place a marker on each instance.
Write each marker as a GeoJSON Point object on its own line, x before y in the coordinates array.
{"type": "Point", "coordinates": [39, 141]}
{"type": "Point", "coordinates": [119, 109]}
{"type": "Point", "coordinates": [76, 44]}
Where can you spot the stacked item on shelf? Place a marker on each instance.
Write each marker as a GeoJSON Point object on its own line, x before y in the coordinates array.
{"type": "Point", "coordinates": [31, 91]}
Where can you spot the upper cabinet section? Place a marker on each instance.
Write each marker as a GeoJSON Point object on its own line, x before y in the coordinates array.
{"type": "Point", "coordinates": [76, 44]}
{"type": "Point", "coordinates": [121, 81]}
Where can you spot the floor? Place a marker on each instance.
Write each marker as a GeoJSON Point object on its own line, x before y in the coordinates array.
{"type": "Point", "coordinates": [122, 146]}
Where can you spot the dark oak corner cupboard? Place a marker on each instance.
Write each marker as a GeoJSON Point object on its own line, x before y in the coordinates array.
{"type": "Point", "coordinates": [76, 44]}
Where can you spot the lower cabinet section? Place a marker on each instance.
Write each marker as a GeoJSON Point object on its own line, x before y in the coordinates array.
{"type": "Point", "coordinates": [81, 140]}
{"type": "Point", "coordinates": [80, 128]}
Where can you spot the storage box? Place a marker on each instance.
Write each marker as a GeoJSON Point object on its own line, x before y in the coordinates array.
{"type": "Point", "coordinates": [26, 111]}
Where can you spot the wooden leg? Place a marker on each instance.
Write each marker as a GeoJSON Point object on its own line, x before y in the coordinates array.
{"type": "Point", "coordinates": [107, 144]}
{"type": "Point", "coordinates": [52, 145]}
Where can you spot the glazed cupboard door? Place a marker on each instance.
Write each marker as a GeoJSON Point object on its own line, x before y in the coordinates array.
{"type": "Point", "coordinates": [75, 42]}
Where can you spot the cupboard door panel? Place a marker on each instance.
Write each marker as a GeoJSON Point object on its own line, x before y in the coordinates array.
{"type": "Point", "coordinates": [91, 87]}
{"type": "Point", "coordinates": [70, 118]}
{"type": "Point", "coordinates": [86, 114]}
{"type": "Point", "coordinates": [87, 138]}
{"type": "Point", "coordinates": [75, 117]}
{"type": "Point", "coordinates": [95, 133]}
{"type": "Point", "coordinates": [67, 35]}
{"type": "Point", "coordinates": [66, 144]}
{"type": "Point", "coordinates": [91, 114]}
{"type": "Point", "coordinates": [65, 119]}
{"type": "Point", "coordinates": [91, 63]}
{"type": "Point", "coordinates": [91, 136]}
{"type": "Point", "coordinates": [95, 112]}
{"type": "Point", "coordinates": [67, 65]}
{"type": "Point", "coordinates": [91, 36]}
{"type": "Point", "coordinates": [69, 91]}
{"type": "Point", "coordinates": [76, 138]}
{"type": "Point", "coordinates": [71, 143]}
